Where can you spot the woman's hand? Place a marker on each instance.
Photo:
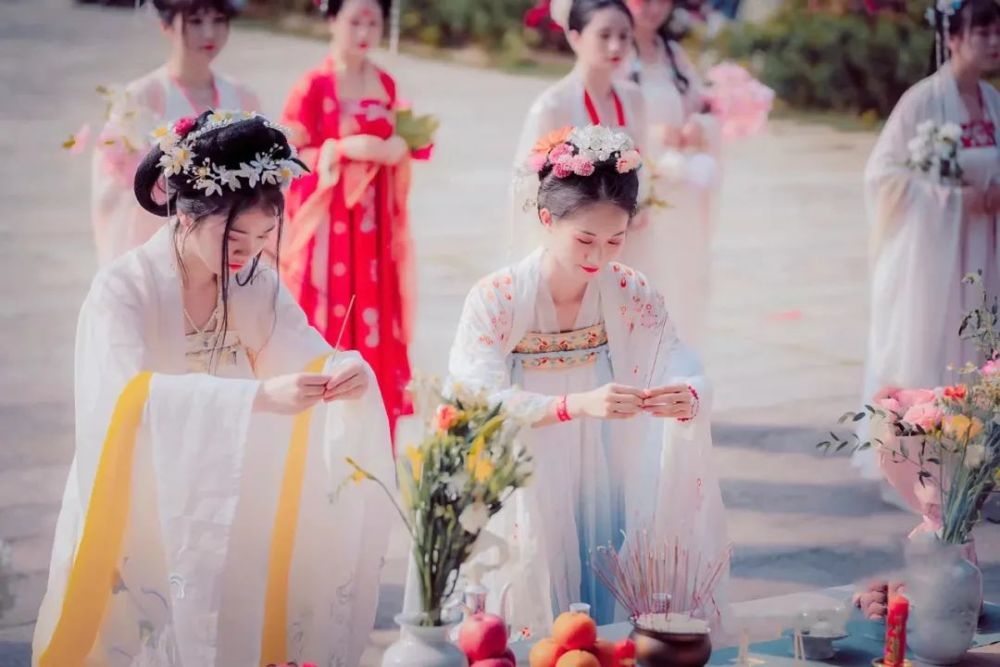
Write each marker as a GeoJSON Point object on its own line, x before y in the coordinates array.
{"type": "Point", "coordinates": [612, 401]}
{"type": "Point", "coordinates": [693, 136]}
{"type": "Point", "coordinates": [874, 600]}
{"type": "Point", "coordinates": [347, 383]}
{"type": "Point", "coordinates": [670, 136]}
{"type": "Point", "coordinates": [290, 394]}
{"type": "Point", "coordinates": [394, 149]}
{"type": "Point", "coordinates": [675, 400]}
{"type": "Point", "coordinates": [362, 148]}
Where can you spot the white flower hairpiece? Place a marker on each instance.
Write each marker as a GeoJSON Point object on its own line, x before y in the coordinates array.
{"type": "Point", "coordinates": [176, 142]}
{"type": "Point", "coordinates": [579, 150]}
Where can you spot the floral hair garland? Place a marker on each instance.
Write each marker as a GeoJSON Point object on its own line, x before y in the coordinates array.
{"type": "Point", "coordinates": [581, 150]}
{"type": "Point", "coordinates": [177, 141]}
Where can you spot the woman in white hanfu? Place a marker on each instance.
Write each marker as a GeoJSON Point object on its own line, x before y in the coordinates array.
{"type": "Point", "coordinates": [682, 146]}
{"type": "Point", "coordinates": [600, 33]}
{"type": "Point", "coordinates": [928, 234]}
{"type": "Point", "coordinates": [204, 522]}
{"type": "Point", "coordinates": [582, 349]}
{"type": "Point", "coordinates": [184, 86]}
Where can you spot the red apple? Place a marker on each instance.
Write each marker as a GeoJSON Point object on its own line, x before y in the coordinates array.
{"type": "Point", "coordinates": [483, 636]}
{"type": "Point", "coordinates": [625, 652]}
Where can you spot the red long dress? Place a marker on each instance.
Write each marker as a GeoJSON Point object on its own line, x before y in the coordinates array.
{"type": "Point", "coordinates": [347, 234]}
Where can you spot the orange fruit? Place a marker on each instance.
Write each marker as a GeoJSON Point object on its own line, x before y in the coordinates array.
{"type": "Point", "coordinates": [574, 631]}
{"type": "Point", "coordinates": [578, 659]}
{"type": "Point", "coordinates": [545, 653]}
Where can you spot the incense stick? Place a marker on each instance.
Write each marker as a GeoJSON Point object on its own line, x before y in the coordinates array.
{"type": "Point", "coordinates": [656, 353]}
{"type": "Point", "coordinates": [343, 327]}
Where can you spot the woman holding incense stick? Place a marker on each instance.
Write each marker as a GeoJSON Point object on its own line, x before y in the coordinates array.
{"type": "Point", "coordinates": [200, 524]}
{"type": "Point", "coordinates": [581, 348]}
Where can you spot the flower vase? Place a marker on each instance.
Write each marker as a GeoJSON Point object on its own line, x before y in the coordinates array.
{"type": "Point", "coordinates": [423, 646]}
{"type": "Point", "coordinates": [945, 592]}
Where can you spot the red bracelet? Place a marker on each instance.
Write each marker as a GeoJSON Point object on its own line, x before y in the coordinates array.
{"type": "Point", "coordinates": [562, 412]}
{"type": "Point", "coordinates": [694, 405]}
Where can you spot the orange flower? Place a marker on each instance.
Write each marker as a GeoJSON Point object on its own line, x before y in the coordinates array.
{"type": "Point", "coordinates": [957, 392]}
{"type": "Point", "coordinates": [446, 417]}
{"type": "Point", "coordinates": [551, 140]}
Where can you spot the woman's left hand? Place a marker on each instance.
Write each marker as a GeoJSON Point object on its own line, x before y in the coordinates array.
{"type": "Point", "coordinates": [693, 136]}
{"type": "Point", "coordinates": [673, 400]}
{"type": "Point", "coordinates": [394, 149]}
{"type": "Point", "coordinates": [347, 382]}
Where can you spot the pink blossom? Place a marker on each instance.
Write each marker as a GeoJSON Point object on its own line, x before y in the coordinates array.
{"type": "Point", "coordinates": [581, 166]}
{"type": "Point", "coordinates": [562, 169]}
{"type": "Point", "coordinates": [559, 151]}
{"type": "Point", "coordinates": [889, 404]}
{"type": "Point", "coordinates": [990, 367]}
{"type": "Point", "coordinates": [909, 398]}
{"type": "Point", "coordinates": [628, 161]}
{"type": "Point", "coordinates": [184, 125]}
{"type": "Point", "coordinates": [536, 161]}
{"type": "Point", "coordinates": [925, 415]}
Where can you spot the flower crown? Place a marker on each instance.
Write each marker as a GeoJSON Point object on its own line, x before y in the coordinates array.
{"type": "Point", "coordinates": [581, 150]}
{"type": "Point", "coordinates": [177, 143]}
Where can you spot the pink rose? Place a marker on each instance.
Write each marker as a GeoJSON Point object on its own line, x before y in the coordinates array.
{"type": "Point", "coordinates": [559, 151]}
{"type": "Point", "coordinates": [889, 405]}
{"type": "Point", "coordinates": [910, 397]}
{"type": "Point", "coordinates": [581, 166]}
{"type": "Point", "coordinates": [562, 169]}
{"type": "Point", "coordinates": [184, 125]}
{"type": "Point", "coordinates": [925, 415]}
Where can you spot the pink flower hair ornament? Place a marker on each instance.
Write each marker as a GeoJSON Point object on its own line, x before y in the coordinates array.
{"type": "Point", "coordinates": [580, 151]}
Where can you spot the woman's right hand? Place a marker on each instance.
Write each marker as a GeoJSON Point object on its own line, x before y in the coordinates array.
{"type": "Point", "coordinates": [290, 394]}
{"type": "Point", "coordinates": [670, 135]}
{"type": "Point", "coordinates": [612, 401]}
{"type": "Point", "coordinates": [874, 601]}
{"type": "Point", "coordinates": [362, 148]}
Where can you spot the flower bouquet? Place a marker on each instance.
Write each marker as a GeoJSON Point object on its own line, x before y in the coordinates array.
{"type": "Point", "coordinates": [934, 151]}
{"type": "Point", "coordinates": [949, 435]}
{"type": "Point", "coordinates": [417, 131]}
{"type": "Point", "coordinates": [741, 102]}
{"type": "Point", "coordinates": [450, 485]}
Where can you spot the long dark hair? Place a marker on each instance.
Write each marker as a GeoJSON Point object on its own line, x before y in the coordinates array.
{"type": "Point", "coordinates": [968, 14]}
{"type": "Point", "coordinates": [670, 36]}
{"type": "Point", "coordinates": [169, 9]}
{"type": "Point", "coordinates": [582, 11]}
{"type": "Point", "coordinates": [229, 146]}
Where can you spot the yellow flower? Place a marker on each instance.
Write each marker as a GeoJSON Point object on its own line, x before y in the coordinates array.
{"type": "Point", "coordinates": [961, 427]}
{"type": "Point", "coordinates": [416, 457]}
{"type": "Point", "coordinates": [482, 470]}
{"type": "Point", "coordinates": [357, 477]}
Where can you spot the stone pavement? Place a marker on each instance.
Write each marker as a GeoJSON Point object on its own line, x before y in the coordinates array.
{"type": "Point", "coordinates": [788, 312]}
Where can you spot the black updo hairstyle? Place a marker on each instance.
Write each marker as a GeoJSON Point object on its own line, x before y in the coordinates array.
{"type": "Point", "coordinates": [568, 195]}
{"type": "Point", "coordinates": [330, 8]}
{"type": "Point", "coordinates": [969, 14]}
{"type": "Point", "coordinates": [227, 146]}
{"type": "Point", "coordinates": [581, 12]}
{"type": "Point", "coordinates": [169, 9]}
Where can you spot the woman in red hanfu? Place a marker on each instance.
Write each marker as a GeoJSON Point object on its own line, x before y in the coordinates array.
{"type": "Point", "coordinates": [348, 232]}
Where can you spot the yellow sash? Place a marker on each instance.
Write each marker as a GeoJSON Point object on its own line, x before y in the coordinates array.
{"type": "Point", "coordinates": [94, 569]}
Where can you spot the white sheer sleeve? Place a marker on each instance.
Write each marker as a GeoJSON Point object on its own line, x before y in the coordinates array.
{"type": "Point", "coordinates": [479, 360]}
